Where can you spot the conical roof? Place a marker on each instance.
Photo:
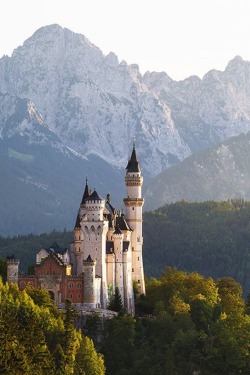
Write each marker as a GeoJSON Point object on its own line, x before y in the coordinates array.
{"type": "Point", "coordinates": [133, 164]}
{"type": "Point", "coordinates": [94, 196]}
{"type": "Point", "coordinates": [86, 192]}
{"type": "Point", "coordinates": [117, 230]}
{"type": "Point", "coordinates": [78, 221]}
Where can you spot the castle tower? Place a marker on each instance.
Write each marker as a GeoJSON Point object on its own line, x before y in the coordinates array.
{"type": "Point", "coordinates": [77, 247]}
{"type": "Point", "coordinates": [89, 283]}
{"type": "Point", "coordinates": [94, 228]}
{"type": "Point", "coordinates": [12, 269]}
{"type": "Point", "coordinates": [134, 203]}
{"type": "Point", "coordinates": [118, 251]}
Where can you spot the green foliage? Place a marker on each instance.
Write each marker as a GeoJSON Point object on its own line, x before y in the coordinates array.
{"type": "Point", "coordinates": [36, 339]}
{"type": "Point", "coordinates": [116, 302]}
{"type": "Point", "coordinates": [88, 361]}
{"type": "Point", "coordinates": [187, 324]}
{"type": "Point", "coordinates": [212, 238]}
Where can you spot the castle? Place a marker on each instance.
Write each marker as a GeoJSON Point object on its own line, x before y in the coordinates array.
{"type": "Point", "coordinates": [106, 252]}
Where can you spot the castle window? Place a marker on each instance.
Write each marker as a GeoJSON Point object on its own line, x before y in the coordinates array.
{"type": "Point", "coordinates": [133, 270]}
{"type": "Point", "coordinates": [133, 248]}
{"type": "Point", "coordinates": [79, 296]}
{"type": "Point", "coordinates": [138, 281]}
{"type": "Point", "coordinates": [71, 296]}
{"type": "Point", "coordinates": [133, 208]}
{"type": "Point", "coordinates": [138, 238]}
{"type": "Point", "coordinates": [79, 285]}
{"type": "Point", "coordinates": [71, 285]}
{"type": "Point", "coordinates": [138, 258]}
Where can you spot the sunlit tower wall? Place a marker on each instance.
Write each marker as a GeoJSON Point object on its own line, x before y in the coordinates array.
{"type": "Point", "coordinates": [134, 203]}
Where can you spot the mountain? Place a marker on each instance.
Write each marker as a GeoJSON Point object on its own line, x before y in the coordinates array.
{"type": "Point", "coordinates": [93, 103]}
{"type": "Point", "coordinates": [42, 180]}
{"type": "Point", "coordinates": [219, 173]}
{"type": "Point", "coordinates": [68, 111]}
{"type": "Point", "coordinates": [208, 111]}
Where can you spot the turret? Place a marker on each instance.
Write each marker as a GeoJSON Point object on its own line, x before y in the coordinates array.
{"type": "Point", "coordinates": [12, 269]}
{"type": "Point", "coordinates": [77, 246]}
{"type": "Point", "coordinates": [134, 203]}
{"type": "Point", "coordinates": [118, 251]}
{"type": "Point", "coordinates": [89, 299]}
{"type": "Point", "coordinates": [95, 206]}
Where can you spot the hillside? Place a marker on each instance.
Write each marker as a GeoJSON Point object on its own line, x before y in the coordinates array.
{"type": "Point", "coordinates": [211, 238]}
{"type": "Point", "coordinates": [217, 173]}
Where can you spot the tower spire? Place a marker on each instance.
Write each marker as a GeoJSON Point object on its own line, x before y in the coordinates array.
{"type": "Point", "coordinates": [86, 192]}
{"type": "Point", "coordinates": [133, 164]}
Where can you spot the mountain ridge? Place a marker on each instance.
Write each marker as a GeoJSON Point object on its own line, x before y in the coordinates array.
{"type": "Point", "coordinates": [83, 109]}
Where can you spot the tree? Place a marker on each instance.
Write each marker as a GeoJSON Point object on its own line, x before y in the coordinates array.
{"type": "Point", "coordinates": [88, 361]}
{"type": "Point", "coordinates": [230, 292]}
{"type": "Point", "coordinates": [70, 339]}
{"type": "Point", "coordinates": [118, 348]}
{"type": "Point", "coordinates": [116, 301]}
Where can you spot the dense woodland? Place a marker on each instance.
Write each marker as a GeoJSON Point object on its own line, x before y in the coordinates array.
{"type": "Point", "coordinates": [186, 324]}
{"type": "Point", "coordinates": [212, 238]}
{"type": "Point", "coordinates": [193, 319]}
{"type": "Point", "coordinates": [35, 338]}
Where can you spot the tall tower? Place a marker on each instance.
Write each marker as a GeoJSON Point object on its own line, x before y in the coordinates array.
{"type": "Point", "coordinates": [89, 283]}
{"type": "Point", "coordinates": [134, 203]}
{"type": "Point", "coordinates": [95, 228]}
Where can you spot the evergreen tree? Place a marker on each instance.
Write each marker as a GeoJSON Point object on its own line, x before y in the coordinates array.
{"type": "Point", "coordinates": [88, 361]}
{"type": "Point", "coordinates": [116, 301]}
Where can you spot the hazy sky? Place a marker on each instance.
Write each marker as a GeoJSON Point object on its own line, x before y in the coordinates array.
{"type": "Point", "coordinates": [179, 37]}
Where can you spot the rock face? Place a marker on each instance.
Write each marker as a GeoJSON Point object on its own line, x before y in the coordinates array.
{"type": "Point", "coordinates": [219, 173]}
{"type": "Point", "coordinates": [67, 111]}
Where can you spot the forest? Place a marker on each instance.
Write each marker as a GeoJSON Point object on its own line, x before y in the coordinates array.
{"type": "Point", "coordinates": [185, 324]}
{"type": "Point", "coordinates": [194, 318]}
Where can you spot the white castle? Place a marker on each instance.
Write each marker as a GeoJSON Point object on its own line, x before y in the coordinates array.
{"type": "Point", "coordinates": [106, 253]}
{"type": "Point", "coordinates": [107, 245]}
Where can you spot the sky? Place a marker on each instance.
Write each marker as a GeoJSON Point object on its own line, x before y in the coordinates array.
{"type": "Point", "coordinates": [179, 37]}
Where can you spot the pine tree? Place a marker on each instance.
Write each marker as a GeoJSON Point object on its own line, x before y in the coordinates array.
{"type": "Point", "coordinates": [88, 361]}
{"type": "Point", "coordinates": [116, 302]}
